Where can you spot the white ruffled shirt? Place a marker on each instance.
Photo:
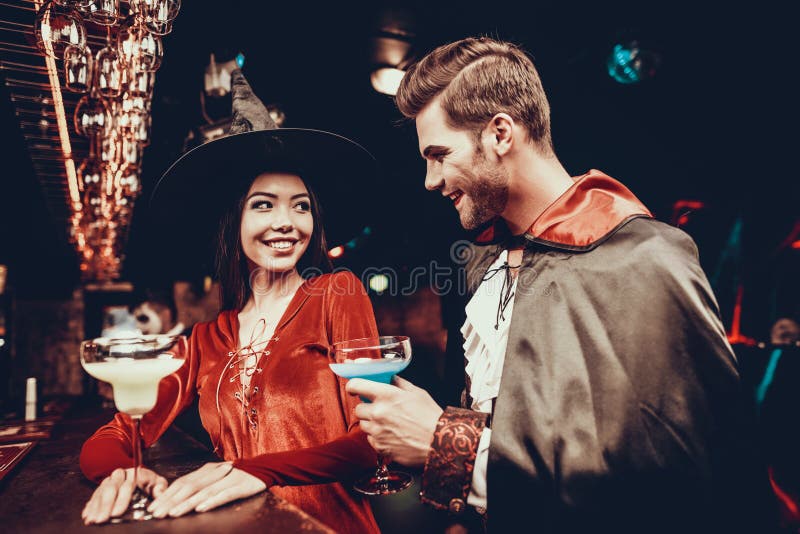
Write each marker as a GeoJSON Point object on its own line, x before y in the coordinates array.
{"type": "Point", "coordinates": [485, 351]}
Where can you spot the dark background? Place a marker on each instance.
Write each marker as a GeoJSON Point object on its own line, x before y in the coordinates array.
{"type": "Point", "coordinates": [714, 125]}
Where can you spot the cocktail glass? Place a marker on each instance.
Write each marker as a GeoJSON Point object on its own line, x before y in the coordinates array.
{"type": "Point", "coordinates": [134, 367]}
{"type": "Point", "coordinates": [378, 359]}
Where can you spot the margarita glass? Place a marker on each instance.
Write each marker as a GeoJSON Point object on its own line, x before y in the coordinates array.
{"type": "Point", "coordinates": [134, 367]}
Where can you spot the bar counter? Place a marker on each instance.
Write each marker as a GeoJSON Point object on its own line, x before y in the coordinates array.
{"type": "Point", "coordinates": [46, 491]}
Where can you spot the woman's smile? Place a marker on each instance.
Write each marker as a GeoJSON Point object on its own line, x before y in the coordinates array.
{"type": "Point", "coordinates": [281, 244]}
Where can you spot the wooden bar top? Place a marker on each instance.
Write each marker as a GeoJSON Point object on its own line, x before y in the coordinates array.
{"type": "Point", "coordinates": [46, 491]}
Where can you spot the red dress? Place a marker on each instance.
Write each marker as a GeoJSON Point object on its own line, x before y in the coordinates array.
{"type": "Point", "coordinates": [296, 430]}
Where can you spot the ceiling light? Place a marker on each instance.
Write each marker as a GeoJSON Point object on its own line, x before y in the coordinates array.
{"type": "Point", "coordinates": [387, 80]}
{"type": "Point", "coordinates": [391, 48]}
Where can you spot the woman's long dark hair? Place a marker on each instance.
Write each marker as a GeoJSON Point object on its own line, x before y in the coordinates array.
{"type": "Point", "coordinates": [231, 263]}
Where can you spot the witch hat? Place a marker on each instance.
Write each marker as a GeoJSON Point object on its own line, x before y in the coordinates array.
{"type": "Point", "coordinates": [193, 194]}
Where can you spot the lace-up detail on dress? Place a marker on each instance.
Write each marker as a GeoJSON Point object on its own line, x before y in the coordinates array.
{"type": "Point", "coordinates": [242, 365]}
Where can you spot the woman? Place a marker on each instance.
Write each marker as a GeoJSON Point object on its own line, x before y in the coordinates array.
{"type": "Point", "coordinates": [273, 409]}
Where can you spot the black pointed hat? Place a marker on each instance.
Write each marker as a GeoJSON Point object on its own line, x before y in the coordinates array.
{"type": "Point", "coordinates": [192, 195]}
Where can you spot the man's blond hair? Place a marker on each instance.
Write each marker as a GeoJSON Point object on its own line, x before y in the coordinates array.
{"type": "Point", "coordinates": [478, 78]}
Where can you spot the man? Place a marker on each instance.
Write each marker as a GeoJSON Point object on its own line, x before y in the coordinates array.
{"type": "Point", "coordinates": [601, 391]}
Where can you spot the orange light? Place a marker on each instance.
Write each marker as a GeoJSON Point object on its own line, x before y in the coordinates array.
{"type": "Point", "coordinates": [336, 252]}
{"type": "Point", "coordinates": [785, 499]}
{"type": "Point", "coordinates": [72, 183]}
{"type": "Point", "coordinates": [796, 245]}
{"type": "Point", "coordinates": [61, 120]}
{"type": "Point", "coordinates": [688, 204]}
{"type": "Point", "coordinates": [735, 335]}
{"type": "Point", "coordinates": [63, 134]}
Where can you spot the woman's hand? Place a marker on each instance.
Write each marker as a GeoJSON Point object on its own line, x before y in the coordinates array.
{"type": "Point", "coordinates": [112, 496]}
{"type": "Point", "coordinates": [212, 485]}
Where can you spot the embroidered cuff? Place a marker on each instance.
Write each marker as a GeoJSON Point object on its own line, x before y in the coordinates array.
{"type": "Point", "coordinates": [447, 476]}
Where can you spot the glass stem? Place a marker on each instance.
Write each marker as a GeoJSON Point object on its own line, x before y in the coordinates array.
{"type": "Point", "coordinates": [382, 474]}
{"type": "Point", "coordinates": [137, 450]}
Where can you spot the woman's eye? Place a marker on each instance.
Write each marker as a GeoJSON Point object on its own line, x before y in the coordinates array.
{"type": "Point", "coordinates": [303, 206]}
{"type": "Point", "coordinates": [261, 205]}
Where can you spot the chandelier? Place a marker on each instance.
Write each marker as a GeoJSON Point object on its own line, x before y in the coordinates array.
{"type": "Point", "coordinates": [114, 114]}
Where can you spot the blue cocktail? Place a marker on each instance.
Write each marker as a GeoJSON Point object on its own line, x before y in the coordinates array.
{"type": "Point", "coordinates": [377, 359]}
{"type": "Point", "coordinates": [371, 369]}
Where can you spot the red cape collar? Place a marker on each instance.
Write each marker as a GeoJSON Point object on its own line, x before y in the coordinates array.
{"type": "Point", "coordinates": [591, 209]}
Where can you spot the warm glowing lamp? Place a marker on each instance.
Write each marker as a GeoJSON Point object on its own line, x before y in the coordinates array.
{"type": "Point", "coordinates": [386, 80]}
{"type": "Point", "coordinates": [379, 283]}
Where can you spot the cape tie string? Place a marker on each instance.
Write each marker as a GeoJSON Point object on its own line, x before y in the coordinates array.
{"type": "Point", "coordinates": [506, 290]}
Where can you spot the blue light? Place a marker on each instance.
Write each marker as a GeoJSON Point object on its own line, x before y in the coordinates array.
{"type": "Point", "coordinates": [351, 244]}
{"type": "Point", "coordinates": [367, 230]}
{"type": "Point", "coordinates": [629, 63]}
{"type": "Point", "coordinates": [240, 60]}
{"type": "Point", "coordinates": [769, 375]}
{"type": "Point", "coordinates": [621, 64]}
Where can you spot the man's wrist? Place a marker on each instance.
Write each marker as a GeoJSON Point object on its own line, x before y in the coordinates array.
{"type": "Point", "coordinates": [426, 443]}
{"type": "Point", "coordinates": [447, 475]}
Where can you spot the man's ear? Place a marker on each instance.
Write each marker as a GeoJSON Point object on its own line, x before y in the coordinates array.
{"type": "Point", "coordinates": [500, 130]}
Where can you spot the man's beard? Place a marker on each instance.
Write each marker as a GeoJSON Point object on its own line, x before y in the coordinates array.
{"type": "Point", "coordinates": [488, 194]}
